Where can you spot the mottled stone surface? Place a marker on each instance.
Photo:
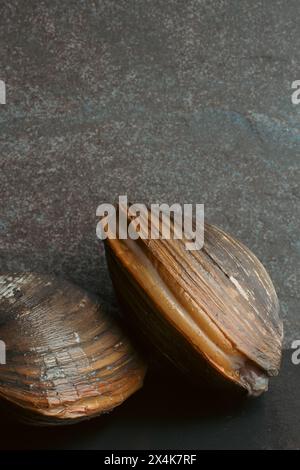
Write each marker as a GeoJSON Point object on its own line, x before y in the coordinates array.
{"type": "Point", "coordinates": [166, 101]}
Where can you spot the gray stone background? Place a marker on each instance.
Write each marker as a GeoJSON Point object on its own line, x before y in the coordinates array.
{"type": "Point", "coordinates": [162, 100]}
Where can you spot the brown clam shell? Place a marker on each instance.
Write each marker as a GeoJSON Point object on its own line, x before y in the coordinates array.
{"type": "Point", "coordinates": [66, 358]}
{"type": "Point", "coordinates": [213, 312]}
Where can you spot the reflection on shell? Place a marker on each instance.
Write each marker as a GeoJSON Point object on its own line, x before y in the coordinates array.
{"type": "Point", "coordinates": [66, 359]}
{"type": "Point", "coordinates": [212, 312]}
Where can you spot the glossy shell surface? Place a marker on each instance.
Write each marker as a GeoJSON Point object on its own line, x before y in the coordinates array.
{"type": "Point", "coordinates": [66, 358]}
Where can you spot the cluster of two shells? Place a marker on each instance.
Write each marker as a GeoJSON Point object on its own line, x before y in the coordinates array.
{"type": "Point", "coordinates": [212, 312]}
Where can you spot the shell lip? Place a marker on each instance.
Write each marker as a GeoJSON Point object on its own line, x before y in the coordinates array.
{"type": "Point", "coordinates": [254, 382]}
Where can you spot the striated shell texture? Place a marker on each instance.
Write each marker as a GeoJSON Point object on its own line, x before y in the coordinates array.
{"type": "Point", "coordinates": [66, 359]}
{"type": "Point", "coordinates": [212, 312]}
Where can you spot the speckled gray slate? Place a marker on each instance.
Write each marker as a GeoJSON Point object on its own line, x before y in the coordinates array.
{"type": "Point", "coordinates": [163, 100]}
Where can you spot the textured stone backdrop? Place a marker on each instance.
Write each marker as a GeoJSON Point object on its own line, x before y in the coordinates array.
{"type": "Point", "coordinates": [163, 100]}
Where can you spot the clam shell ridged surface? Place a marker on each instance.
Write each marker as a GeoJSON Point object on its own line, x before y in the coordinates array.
{"type": "Point", "coordinates": [212, 312]}
{"type": "Point", "coordinates": [66, 359]}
